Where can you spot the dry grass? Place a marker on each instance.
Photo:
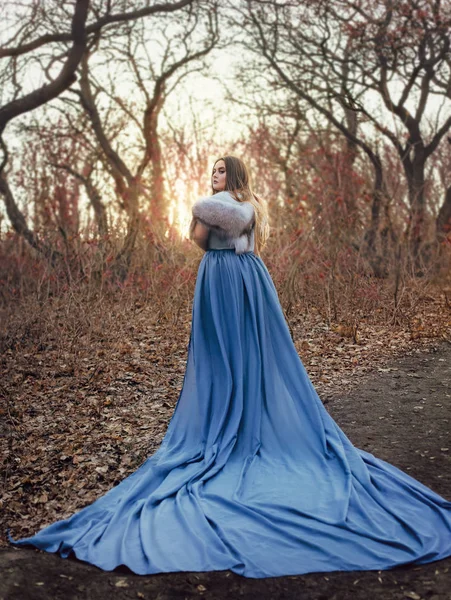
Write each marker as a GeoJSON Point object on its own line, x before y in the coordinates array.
{"type": "Point", "coordinates": [92, 369]}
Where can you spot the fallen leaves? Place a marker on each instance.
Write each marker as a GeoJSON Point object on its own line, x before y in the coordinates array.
{"type": "Point", "coordinates": [412, 595]}
{"type": "Point", "coordinates": [72, 435]}
{"type": "Point", "coordinates": [88, 400]}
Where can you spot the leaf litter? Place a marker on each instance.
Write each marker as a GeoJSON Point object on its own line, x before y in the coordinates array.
{"type": "Point", "coordinates": [84, 401]}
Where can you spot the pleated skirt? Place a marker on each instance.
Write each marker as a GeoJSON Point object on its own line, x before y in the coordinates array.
{"type": "Point", "coordinates": [253, 474]}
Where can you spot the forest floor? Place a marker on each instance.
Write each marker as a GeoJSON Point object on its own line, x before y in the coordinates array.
{"type": "Point", "coordinates": [390, 393]}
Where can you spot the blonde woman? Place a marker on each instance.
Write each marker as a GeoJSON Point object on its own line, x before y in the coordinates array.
{"type": "Point", "coordinates": [204, 229]}
{"type": "Point", "coordinates": [253, 474]}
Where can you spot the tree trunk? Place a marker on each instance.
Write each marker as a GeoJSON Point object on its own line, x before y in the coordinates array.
{"type": "Point", "coordinates": [158, 203]}
{"type": "Point", "coordinates": [415, 180]}
{"type": "Point", "coordinates": [443, 221]}
{"type": "Point", "coordinates": [98, 207]}
{"type": "Point", "coordinates": [20, 226]}
{"type": "Point", "coordinates": [349, 194]}
{"type": "Point", "coordinates": [122, 261]}
{"type": "Point", "coordinates": [376, 237]}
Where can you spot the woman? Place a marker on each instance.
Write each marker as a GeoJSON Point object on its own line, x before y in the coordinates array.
{"type": "Point", "coordinates": [253, 475]}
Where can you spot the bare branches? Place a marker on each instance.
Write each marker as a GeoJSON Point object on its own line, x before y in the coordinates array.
{"type": "Point", "coordinates": [362, 65]}
{"type": "Point", "coordinates": [179, 47]}
{"type": "Point", "coordinates": [119, 168]}
{"type": "Point", "coordinates": [65, 78]}
{"type": "Point", "coordinates": [93, 28]}
{"type": "Point", "coordinates": [93, 195]}
{"type": "Point", "coordinates": [40, 37]}
{"type": "Point", "coordinates": [18, 221]}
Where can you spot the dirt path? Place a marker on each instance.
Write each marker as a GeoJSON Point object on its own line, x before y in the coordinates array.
{"type": "Point", "coordinates": [401, 413]}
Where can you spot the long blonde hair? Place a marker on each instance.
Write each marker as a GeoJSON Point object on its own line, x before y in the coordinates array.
{"type": "Point", "coordinates": [238, 184]}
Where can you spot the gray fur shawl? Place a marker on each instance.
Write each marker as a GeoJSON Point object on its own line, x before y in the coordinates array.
{"type": "Point", "coordinates": [230, 219]}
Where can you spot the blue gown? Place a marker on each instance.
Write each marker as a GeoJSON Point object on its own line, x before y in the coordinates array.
{"type": "Point", "coordinates": [253, 474]}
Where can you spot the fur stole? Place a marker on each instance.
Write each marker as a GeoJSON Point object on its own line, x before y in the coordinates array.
{"type": "Point", "coordinates": [230, 219]}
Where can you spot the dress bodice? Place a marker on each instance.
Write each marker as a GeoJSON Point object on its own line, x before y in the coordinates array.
{"type": "Point", "coordinates": [215, 242]}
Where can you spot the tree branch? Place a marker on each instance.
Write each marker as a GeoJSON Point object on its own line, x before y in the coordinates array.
{"type": "Point", "coordinates": [108, 19]}
{"type": "Point", "coordinates": [65, 78]}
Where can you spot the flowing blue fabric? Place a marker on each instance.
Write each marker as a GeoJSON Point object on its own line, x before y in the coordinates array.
{"type": "Point", "coordinates": [253, 474]}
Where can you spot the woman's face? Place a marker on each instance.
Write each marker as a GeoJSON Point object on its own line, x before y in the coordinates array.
{"type": "Point", "coordinates": [218, 176]}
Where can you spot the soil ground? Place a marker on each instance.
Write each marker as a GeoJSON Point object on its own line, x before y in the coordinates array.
{"type": "Point", "coordinates": [400, 413]}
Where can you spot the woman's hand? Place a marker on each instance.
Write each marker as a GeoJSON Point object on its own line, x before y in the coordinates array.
{"type": "Point", "coordinates": [199, 234]}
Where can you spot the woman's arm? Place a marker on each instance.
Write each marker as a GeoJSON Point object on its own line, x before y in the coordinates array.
{"type": "Point", "coordinates": [224, 212]}
{"type": "Point", "coordinates": [199, 234]}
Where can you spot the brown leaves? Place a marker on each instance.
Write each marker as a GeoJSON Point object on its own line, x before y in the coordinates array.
{"type": "Point", "coordinates": [77, 418]}
{"type": "Point", "coordinates": [74, 415]}
{"type": "Point", "coordinates": [347, 331]}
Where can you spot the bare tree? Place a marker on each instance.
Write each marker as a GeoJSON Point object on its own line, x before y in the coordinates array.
{"type": "Point", "coordinates": [20, 104]}
{"type": "Point", "coordinates": [48, 38]}
{"type": "Point", "coordinates": [187, 151]}
{"type": "Point", "coordinates": [57, 163]}
{"type": "Point", "coordinates": [364, 66]}
{"type": "Point", "coordinates": [443, 221]}
{"type": "Point", "coordinates": [137, 166]}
